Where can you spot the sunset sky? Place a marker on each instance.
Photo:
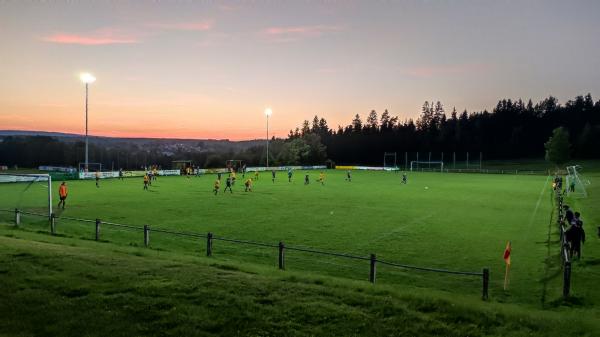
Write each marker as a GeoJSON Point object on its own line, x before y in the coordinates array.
{"type": "Point", "coordinates": [208, 69]}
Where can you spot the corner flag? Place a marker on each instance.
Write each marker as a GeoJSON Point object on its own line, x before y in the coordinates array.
{"type": "Point", "coordinates": [507, 261]}
{"type": "Point", "coordinates": [507, 253]}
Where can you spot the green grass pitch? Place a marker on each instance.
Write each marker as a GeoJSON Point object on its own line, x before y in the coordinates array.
{"type": "Point", "coordinates": [451, 221]}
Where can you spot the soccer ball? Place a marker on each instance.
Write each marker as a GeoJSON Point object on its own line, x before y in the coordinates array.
{"type": "Point", "coordinates": [426, 187]}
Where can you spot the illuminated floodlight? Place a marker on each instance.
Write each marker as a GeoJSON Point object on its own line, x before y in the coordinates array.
{"type": "Point", "coordinates": [87, 78]}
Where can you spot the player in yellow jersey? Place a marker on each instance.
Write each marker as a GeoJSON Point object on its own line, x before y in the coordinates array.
{"type": "Point", "coordinates": [256, 175]}
{"type": "Point", "coordinates": [248, 184]}
{"type": "Point", "coordinates": [232, 177]}
{"type": "Point", "coordinates": [217, 186]}
{"type": "Point", "coordinates": [146, 181]}
{"type": "Point", "coordinates": [322, 178]}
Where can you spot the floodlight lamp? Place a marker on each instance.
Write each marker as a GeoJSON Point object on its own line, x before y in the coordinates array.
{"type": "Point", "coordinates": [87, 78]}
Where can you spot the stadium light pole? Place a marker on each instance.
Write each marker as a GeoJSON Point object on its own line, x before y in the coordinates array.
{"type": "Point", "coordinates": [86, 78]}
{"type": "Point", "coordinates": [268, 113]}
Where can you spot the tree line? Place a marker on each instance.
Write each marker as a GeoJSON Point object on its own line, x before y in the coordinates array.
{"type": "Point", "coordinates": [513, 129]}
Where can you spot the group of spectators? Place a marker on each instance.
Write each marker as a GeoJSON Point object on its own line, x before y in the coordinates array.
{"type": "Point", "coordinates": [575, 234]}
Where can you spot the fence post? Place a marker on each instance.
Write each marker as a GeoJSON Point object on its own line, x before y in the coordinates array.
{"type": "Point", "coordinates": [98, 229]}
{"type": "Point", "coordinates": [52, 224]}
{"type": "Point", "coordinates": [17, 217]}
{"type": "Point", "coordinates": [486, 283]}
{"type": "Point", "coordinates": [372, 271]}
{"type": "Point", "coordinates": [281, 256]}
{"type": "Point", "coordinates": [209, 244]}
{"type": "Point", "coordinates": [567, 279]}
{"type": "Point", "coordinates": [146, 235]}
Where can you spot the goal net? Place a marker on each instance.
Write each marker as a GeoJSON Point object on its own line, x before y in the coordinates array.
{"type": "Point", "coordinates": [235, 165]}
{"type": "Point", "coordinates": [427, 165]}
{"type": "Point", "coordinates": [576, 183]}
{"type": "Point", "coordinates": [29, 193]}
{"type": "Point", "coordinates": [91, 167]}
{"type": "Point", "coordinates": [389, 161]}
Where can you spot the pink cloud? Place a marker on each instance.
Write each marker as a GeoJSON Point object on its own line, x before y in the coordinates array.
{"type": "Point", "coordinates": [97, 38]}
{"type": "Point", "coordinates": [292, 33]}
{"type": "Point", "coordinates": [191, 26]}
{"type": "Point", "coordinates": [441, 70]}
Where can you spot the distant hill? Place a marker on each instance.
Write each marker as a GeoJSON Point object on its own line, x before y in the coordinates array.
{"type": "Point", "coordinates": [207, 144]}
{"type": "Point", "coordinates": [36, 133]}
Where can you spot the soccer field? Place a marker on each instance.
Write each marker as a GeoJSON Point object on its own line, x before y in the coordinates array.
{"type": "Point", "coordinates": [450, 221]}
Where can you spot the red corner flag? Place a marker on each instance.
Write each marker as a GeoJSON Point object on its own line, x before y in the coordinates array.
{"type": "Point", "coordinates": [507, 261]}
{"type": "Point", "coordinates": [507, 253]}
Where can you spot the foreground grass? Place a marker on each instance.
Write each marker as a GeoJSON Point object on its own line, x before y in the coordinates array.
{"type": "Point", "coordinates": [57, 286]}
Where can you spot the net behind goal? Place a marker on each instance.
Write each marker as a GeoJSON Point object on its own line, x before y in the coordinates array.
{"type": "Point", "coordinates": [27, 192]}
{"type": "Point", "coordinates": [576, 183]}
{"type": "Point", "coordinates": [427, 165]}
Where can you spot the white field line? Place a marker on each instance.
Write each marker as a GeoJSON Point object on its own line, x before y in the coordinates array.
{"type": "Point", "coordinates": [537, 204]}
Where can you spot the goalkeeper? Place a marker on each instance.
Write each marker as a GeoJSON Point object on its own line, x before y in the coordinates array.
{"type": "Point", "coordinates": [62, 193]}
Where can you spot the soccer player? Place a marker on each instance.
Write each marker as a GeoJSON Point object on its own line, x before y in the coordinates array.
{"type": "Point", "coordinates": [62, 193]}
{"type": "Point", "coordinates": [404, 178]}
{"type": "Point", "coordinates": [149, 173]}
{"type": "Point", "coordinates": [306, 180]}
{"type": "Point", "coordinates": [217, 186]}
{"type": "Point", "coordinates": [219, 176]}
{"type": "Point", "coordinates": [120, 174]}
{"type": "Point", "coordinates": [98, 179]}
{"type": "Point", "coordinates": [228, 185]}
{"type": "Point", "coordinates": [273, 175]}
{"type": "Point", "coordinates": [348, 176]}
{"type": "Point", "coordinates": [146, 180]}
{"type": "Point", "coordinates": [244, 171]}
{"type": "Point", "coordinates": [322, 178]}
{"type": "Point", "coordinates": [256, 175]}
{"type": "Point", "coordinates": [290, 174]}
{"type": "Point", "coordinates": [232, 175]}
{"type": "Point", "coordinates": [154, 173]}
{"type": "Point", "coordinates": [248, 185]}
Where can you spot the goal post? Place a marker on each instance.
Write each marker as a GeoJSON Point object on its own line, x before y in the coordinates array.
{"type": "Point", "coordinates": [20, 184]}
{"type": "Point", "coordinates": [235, 165]}
{"type": "Point", "coordinates": [389, 160]}
{"type": "Point", "coordinates": [91, 167]}
{"type": "Point", "coordinates": [576, 183]}
{"type": "Point", "coordinates": [420, 165]}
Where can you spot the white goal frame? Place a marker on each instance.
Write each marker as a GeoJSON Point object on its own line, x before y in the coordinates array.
{"type": "Point", "coordinates": [92, 167]}
{"type": "Point", "coordinates": [580, 183]}
{"type": "Point", "coordinates": [22, 177]}
{"type": "Point", "coordinates": [414, 165]}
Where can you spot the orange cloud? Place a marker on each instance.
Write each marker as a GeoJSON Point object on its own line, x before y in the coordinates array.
{"type": "Point", "coordinates": [284, 34]}
{"type": "Point", "coordinates": [102, 37]}
{"type": "Point", "coordinates": [191, 26]}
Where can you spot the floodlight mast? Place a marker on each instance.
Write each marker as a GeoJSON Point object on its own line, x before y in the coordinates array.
{"type": "Point", "coordinates": [86, 78]}
{"type": "Point", "coordinates": [268, 113]}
